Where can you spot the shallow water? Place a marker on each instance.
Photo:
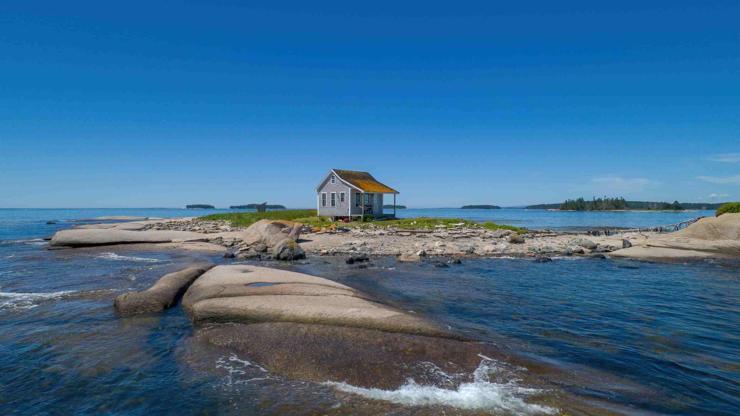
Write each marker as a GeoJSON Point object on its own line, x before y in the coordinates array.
{"type": "Point", "coordinates": [632, 337]}
{"type": "Point", "coordinates": [654, 337]}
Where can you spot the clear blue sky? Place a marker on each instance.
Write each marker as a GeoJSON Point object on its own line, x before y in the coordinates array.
{"type": "Point", "coordinates": [145, 104]}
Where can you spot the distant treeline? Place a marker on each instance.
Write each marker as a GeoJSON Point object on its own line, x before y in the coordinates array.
{"type": "Point", "coordinates": [608, 204]}
{"type": "Point", "coordinates": [391, 206]}
{"type": "Point", "coordinates": [254, 206]}
{"type": "Point", "coordinates": [481, 207]}
{"type": "Point", "coordinates": [199, 206]}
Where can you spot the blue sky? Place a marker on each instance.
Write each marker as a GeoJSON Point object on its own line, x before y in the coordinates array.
{"type": "Point", "coordinates": [136, 104]}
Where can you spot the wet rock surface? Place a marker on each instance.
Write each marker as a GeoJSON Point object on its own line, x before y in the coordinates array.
{"type": "Point", "coordinates": [358, 356]}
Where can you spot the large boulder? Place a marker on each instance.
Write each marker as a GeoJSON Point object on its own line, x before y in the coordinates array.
{"type": "Point", "coordinates": [583, 242]}
{"type": "Point", "coordinates": [162, 295]}
{"type": "Point", "coordinates": [711, 237]}
{"type": "Point", "coordinates": [288, 249]}
{"type": "Point", "coordinates": [271, 232]}
{"type": "Point", "coordinates": [516, 239]}
{"type": "Point", "coordinates": [724, 227]}
{"type": "Point", "coordinates": [245, 293]}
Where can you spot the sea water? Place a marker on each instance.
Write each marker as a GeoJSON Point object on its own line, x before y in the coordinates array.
{"type": "Point", "coordinates": [632, 337]}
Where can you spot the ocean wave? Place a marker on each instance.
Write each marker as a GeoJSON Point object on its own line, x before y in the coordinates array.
{"type": "Point", "coordinates": [118, 257]}
{"type": "Point", "coordinates": [480, 394]}
{"type": "Point", "coordinates": [29, 241]}
{"type": "Point", "coordinates": [11, 300]}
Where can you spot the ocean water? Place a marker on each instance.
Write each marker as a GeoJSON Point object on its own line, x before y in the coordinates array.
{"type": "Point", "coordinates": [560, 220]}
{"type": "Point", "coordinates": [622, 336]}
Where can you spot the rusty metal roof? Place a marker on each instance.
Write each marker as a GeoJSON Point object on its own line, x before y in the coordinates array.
{"type": "Point", "coordinates": [364, 181]}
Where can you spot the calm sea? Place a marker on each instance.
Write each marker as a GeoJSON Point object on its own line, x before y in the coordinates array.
{"type": "Point", "coordinates": [636, 338]}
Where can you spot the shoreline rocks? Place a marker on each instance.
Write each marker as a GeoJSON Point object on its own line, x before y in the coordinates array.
{"type": "Point", "coordinates": [707, 238]}
{"type": "Point", "coordinates": [259, 241]}
{"type": "Point", "coordinates": [88, 237]}
{"type": "Point", "coordinates": [162, 295]}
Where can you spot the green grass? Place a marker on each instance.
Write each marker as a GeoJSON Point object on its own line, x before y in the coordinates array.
{"type": "Point", "coordinates": [308, 217]}
{"type": "Point", "coordinates": [245, 219]}
{"type": "Point", "coordinates": [488, 225]}
{"type": "Point", "coordinates": [730, 207]}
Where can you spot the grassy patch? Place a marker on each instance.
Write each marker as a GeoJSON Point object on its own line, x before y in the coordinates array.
{"type": "Point", "coordinates": [488, 225]}
{"type": "Point", "coordinates": [730, 207]}
{"type": "Point", "coordinates": [308, 217]}
{"type": "Point", "coordinates": [245, 219]}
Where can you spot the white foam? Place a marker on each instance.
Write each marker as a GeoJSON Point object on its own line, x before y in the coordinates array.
{"type": "Point", "coordinates": [480, 394]}
{"type": "Point", "coordinates": [30, 241]}
{"type": "Point", "coordinates": [240, 371]}
{"type": "Point", "coordinates": [118, 257]}
{"type": "Point", "coordinates": [568, 258]}
{"type": "Point", "coordinates": [11, 300]}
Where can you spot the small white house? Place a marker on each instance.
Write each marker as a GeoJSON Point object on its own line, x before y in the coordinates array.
{"type": "Point", "coordinates": [349, 193]}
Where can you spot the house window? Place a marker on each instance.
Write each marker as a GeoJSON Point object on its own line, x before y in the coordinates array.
{"type": "Point", "coordinates": [358, 199]}
{"type": "Point", "coordinates": [341, 197]}
{"type": "Point", "coordinates": [333, 199]}
{"type": "Point", "coordinates": [367, 199]}
{"type": "Point", "coordinates": [323, 199]}
{"type": "Point", "coordinates": [333, 179]}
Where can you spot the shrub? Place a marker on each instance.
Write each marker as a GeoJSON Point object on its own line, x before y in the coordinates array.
{"type": "Point", "coordinates": [731, 207]}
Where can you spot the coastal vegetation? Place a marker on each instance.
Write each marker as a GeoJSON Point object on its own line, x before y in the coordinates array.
{"type": "Point", "coordinates": [612, 204]}
{"type": "Point", "coordinates": [245, 219]}
{"type": "Point", "coordinates": [199, 206]}
{"type": "Point", "coordinates": [308, 217]}
{"type": "Point", "coordinates": [729, 207]}
{"type": "Point", "coordinates": [481, 207]}
{"type": "Point", "coordinates": [254, 206]}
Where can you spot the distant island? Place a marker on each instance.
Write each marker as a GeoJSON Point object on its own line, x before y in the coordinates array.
{"type": "Point", "coordinates": [620, 204]}
{"type": "Point", "coordinates": [254, 206]}
{"type": "Point", "coordinates": [199, 206]}
{"type": "Point", "coordinates": [391, 206]}
{"type": "Point", "coordinates": [481, 207]}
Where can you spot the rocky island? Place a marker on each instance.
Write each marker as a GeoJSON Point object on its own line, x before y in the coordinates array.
{"type": "Point", "coordinates": [480, 207]}
{"type": "Point", "coordinates": [199, 206]}
{"type": "Point", "coordinates": [292, 234]}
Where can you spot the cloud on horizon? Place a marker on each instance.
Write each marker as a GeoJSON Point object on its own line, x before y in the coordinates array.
{"type": "Point", "coordinates": [721, 180]}
{"type": "Point", "coordinates": [726, 158]}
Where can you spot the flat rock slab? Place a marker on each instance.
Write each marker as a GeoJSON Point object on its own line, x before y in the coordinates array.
{"type": "Point", "coordinates": [162, 295]}
{"type": "Point", "coordinates": [707, 238]}
{"type": "Point", "coordinates": [87, 237]}
{"type": "Point", "coordinates": [245, 293]}
{"type": "Point", "coordinates": [361, 357]}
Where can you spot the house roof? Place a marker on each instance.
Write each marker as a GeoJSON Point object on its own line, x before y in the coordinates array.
{"type": "Point", "coordinates": [363, 181]}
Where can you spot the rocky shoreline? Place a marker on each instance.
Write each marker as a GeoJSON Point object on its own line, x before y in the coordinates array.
{"type": "Point", "coordinates": [287, 240]}
{"type": "Point", "coordinates": [412, 245]}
